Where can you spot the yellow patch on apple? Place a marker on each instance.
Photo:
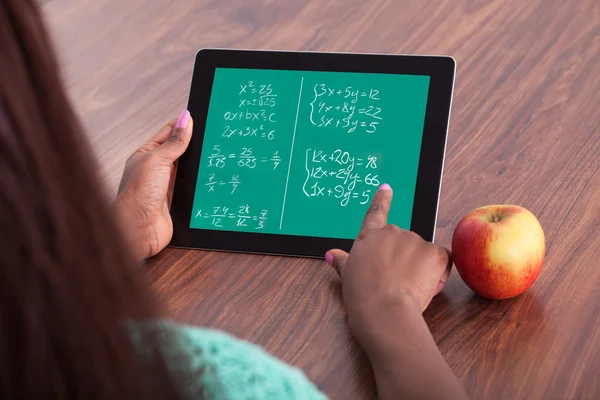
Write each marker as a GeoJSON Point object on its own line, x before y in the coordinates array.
{"type": "Point", "coordinates": [499, 250]}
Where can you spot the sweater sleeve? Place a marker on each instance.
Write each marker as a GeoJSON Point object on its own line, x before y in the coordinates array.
{"type": "Point", "coordinates": [226, 368]}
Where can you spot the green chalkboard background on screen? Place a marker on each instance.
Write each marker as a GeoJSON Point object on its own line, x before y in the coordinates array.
{"type": "Point", "coordinates": [303, 152]}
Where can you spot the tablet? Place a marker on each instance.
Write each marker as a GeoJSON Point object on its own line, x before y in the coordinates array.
{"type": "Point", "coordinates": [288, 148]}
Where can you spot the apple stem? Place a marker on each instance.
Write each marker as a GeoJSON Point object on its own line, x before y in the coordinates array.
{"type": "Point", "coordinates": [495, 218]}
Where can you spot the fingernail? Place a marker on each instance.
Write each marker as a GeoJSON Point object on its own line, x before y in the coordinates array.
{"type": "Point", "coordinates": [183, 120]}
{"type": "Point", "coordinates": [329, 258]}
{"type": "Point", "coordinates": [438, 288]}
{"type": "Point", "coordinates": [385, 186]}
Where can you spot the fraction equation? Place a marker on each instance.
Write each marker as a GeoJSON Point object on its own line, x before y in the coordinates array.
{"type": "Point", "coordinates": [244, 159]}
{"type": "Point", "coordinates": [230, 184]}
{"type": "Point", "coordinates": [238, 217]}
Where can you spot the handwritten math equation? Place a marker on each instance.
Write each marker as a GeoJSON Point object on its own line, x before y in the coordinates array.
{"type": "Point", "coordinates": [241, 216]}
{"type": "Point", "coordinates": [341, 176]}
{"type": "Point", "coordinates": [346, 108]}
{"type": "Point", "coordinates": [245, 159]}
{"type": "Point", "coordinates": [255, 115]}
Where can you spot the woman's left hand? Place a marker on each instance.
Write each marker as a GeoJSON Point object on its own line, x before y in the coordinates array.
{"type": "Point", "coordinates": [144, 197]}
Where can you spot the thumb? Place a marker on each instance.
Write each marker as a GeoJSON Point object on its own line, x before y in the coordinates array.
{"type": "Point", "coordinates": [445, 263]}
{"type": "Point", "coordinates": [179, 139]}
{"type": "Point", "coordinates": [337, 259]}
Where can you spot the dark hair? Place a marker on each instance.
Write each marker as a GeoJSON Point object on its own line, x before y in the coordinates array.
{"type": "Point", "coordinates": [68, 283]}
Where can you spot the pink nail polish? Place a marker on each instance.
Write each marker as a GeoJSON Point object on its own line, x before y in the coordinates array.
{"type": "Point", "coordinates": [385, 186]}
{"type": "Point", "coordinates": [329, 258]}
{"type": "Point", "coordinates": [183, 120]}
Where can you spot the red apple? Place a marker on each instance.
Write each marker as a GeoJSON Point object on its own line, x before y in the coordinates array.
{"type": "Point", "coordinates": [499, 250]}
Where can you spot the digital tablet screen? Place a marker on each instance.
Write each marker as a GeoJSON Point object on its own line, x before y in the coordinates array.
{"type": "Point", "coordinates": [302, 152]}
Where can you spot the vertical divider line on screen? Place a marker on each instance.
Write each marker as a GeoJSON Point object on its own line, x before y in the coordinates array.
{"type": "Point", "coordinates": [287, 180]}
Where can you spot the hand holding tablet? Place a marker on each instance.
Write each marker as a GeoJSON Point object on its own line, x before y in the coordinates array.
{"type": "Point", "coordinates": [289, 148]}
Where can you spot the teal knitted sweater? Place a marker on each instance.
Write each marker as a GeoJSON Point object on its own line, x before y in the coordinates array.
{"type": "Point", "coordinates": [225, 368]}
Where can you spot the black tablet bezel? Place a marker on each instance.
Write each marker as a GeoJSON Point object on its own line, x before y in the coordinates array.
{"type": "Point", "coordinates": [440, 69]}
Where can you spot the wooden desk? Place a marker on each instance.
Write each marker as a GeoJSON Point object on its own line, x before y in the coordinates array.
{"type": "Point", "coordinates": [525, 129]}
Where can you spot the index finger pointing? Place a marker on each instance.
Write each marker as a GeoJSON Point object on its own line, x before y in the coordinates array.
{"type": "Point", "coordinates": [376, 217]}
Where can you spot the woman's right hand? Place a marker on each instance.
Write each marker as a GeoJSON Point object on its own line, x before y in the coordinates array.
{"type": "Point", "coordinates": [388, 279]}
{"type": "Point", "coordinates": [387, 270]}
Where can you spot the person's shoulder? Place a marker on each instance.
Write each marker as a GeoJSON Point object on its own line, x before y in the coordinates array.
{"type": "Point", "coordinates": [231, 368]}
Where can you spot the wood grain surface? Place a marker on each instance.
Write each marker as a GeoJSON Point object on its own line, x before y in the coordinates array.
{"type": "Point", "coordinates": [525, 129]}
